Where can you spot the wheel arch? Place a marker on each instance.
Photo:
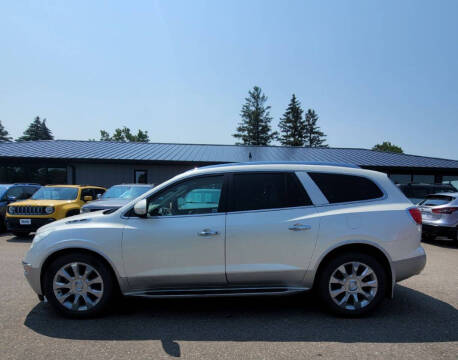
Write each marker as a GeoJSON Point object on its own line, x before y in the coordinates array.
{"type": "Point", "coordinates": [51, 257]}
{"type": "Point", "coordinates": [362, 247]}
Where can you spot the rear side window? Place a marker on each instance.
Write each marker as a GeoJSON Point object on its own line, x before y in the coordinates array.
{"type": "Point", "coordinates": [258, 191]}
{"type": "Point", "coordinates": [344, 188]}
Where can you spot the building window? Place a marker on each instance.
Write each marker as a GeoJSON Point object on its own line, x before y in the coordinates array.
{"type": "Point", "coordinates": [140, 176]}
{"type": "Point", "coordinates": [423, 179]}
{"type": "Point", "coordinates": [33, 174]}
{"type": "Point", "coordinates": [401, 178]}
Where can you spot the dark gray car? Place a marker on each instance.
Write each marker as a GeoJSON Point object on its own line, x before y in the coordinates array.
{"type": "Point", "coordinates": [116, 196]}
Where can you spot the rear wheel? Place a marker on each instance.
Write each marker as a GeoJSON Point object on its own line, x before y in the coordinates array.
{"type": "Point", "coordinates": [352, 284]}
{"type": "Point", "coordinates": [78, 285]}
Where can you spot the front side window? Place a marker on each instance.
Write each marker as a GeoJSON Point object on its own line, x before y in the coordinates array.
{"type": "Point", "coordinates": [338, 188]}
{"type": "Point", "coordinates": [56, 193]}
{"type": "Point", "coordinates": [196, 196]}
{"type": "Point", "coordinates": [259, 191]}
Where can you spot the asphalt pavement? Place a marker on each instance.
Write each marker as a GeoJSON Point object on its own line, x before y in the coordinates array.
{"type": "Point", "coordinates": [421, 322]}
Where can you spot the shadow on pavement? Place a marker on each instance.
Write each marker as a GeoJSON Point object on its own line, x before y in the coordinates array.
{"type": "Point", "coordinates": [20, 239]}
{"type": "Point", "coordinates": [412, 317]}
{"type": "Point", "coordinates": [442, 242]}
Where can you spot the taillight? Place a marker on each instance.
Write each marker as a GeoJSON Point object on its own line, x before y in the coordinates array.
{"type": "Point", "coordinates": [416, 215]}
{"type": "Point", "coordinates": [447, 210]}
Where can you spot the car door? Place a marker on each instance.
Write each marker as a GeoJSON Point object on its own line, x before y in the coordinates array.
{"type": "Point", "coordinates": [271, 229]}
{"type": "Point", "coordinates": [180, 243]}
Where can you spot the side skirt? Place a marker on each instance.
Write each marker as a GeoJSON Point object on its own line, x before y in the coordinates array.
{"type": "Point", "coordinates": [215, 292]}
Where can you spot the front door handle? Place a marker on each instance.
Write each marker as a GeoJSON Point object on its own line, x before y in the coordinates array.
{"type": "Point", "coordinates": [207, 232]}
{"type": "Point", "coordinates": [299, 227]}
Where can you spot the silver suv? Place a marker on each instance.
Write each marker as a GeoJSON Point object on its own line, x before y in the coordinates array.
{"type": "Point", "coordinates": [440, 215]}
{"type": "Point", "coordinates": [240, 229]}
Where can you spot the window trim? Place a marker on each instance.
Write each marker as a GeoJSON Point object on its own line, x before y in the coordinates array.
{"type": "Point", "coordinates": [381, 188]}
{"type": "Point", "coordinates": [232, 187]}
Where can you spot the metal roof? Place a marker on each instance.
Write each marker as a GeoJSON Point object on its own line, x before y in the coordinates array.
{"type": "Point", "coordinates": [107, 150]}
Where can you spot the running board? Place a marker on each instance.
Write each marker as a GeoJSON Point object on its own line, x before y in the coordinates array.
{"type": "Point", "coordinates": [214, 292]}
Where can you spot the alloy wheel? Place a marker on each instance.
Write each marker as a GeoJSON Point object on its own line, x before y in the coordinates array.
{"type": "Point", "coordinates": [353, 285]}
{"type": "Point", "coordinates": [78, 286]}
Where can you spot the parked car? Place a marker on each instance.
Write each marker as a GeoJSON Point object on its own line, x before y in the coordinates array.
{"type": "Point", "coordinates": [13, 192]}
{"type": "Point", "coordinates": [418, 192]}
{"type": "Point", "coordinates": [49, 203]}
{"type": "Point", "coordinates": [258, 228]}
{"type": "Point", "coordinates": [440, 215]}
{"type": "Point", "coordinates": [116, 196]}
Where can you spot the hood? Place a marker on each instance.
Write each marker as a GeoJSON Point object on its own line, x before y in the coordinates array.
{"type": "Point", "coordinates": [31, 202]}
{"type": "Point", "coordinates": [107, 203]}
{"type": "Point", "coordinates": [83, 218]}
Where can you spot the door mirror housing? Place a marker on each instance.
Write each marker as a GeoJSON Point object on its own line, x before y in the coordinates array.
{"type": "Point", "coordinates": [140, 208]}
{"type": "Point", "coordinates": [87, 198]}
{"type": "Point", "coordinates": [99, 196]}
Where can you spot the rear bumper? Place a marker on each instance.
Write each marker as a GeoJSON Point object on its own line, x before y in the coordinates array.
{"type": "Point", "coordinates": [406, 268]}
{"type": "Point", "coordinates": [13, 224]}
{"type": "Point", "coordinates": [437, 230]}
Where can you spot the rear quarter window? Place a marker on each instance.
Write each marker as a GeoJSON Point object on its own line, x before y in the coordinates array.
{"type": "Point", "coordinates": [338, 188]}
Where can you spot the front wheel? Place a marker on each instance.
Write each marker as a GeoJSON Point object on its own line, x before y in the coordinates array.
{"type": "Point", "coordinates": [352, 284]}
{"type": "Point", "coordinates": [78, 285]}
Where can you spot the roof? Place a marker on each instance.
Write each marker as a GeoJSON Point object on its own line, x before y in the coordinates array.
{"type": "Point", "coordinates": [169, 152]}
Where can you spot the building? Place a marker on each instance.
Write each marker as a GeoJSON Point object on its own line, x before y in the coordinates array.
{"type": "Point", "coordinates": [107, 163]}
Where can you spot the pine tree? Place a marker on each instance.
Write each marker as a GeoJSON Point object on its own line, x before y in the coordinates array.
{"type": "Point", "coordinates": [292, 125]}
{"type": "Point", "coordinates": [254, 128]}
{"type": "Point", "coordinates": [45, 132]}
{"type": "Point", "coordinates": [4, 135]}
{"type": "Point", "coordinates": [33, 132]}
{"type": "Point", "coordinates": [314, 137]}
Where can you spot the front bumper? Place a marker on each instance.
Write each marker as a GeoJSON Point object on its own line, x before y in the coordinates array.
{"type": "Point", "coordinates": [437, 230]}
{"type": "Point", "coordinates": [33, 277]}
{"type": "Point", "coordinates": [406, 268]}
{"type": "Point", "coordinates": [13, 223]}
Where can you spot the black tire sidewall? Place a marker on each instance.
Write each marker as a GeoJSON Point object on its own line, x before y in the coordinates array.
{"type": "Point", "coordinates": [91, 260]}
{"type": "Point", "coordinates": [333, 264]}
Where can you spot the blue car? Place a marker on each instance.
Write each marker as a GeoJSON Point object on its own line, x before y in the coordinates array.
{"type": "Point", "coordinates": [14, 192]}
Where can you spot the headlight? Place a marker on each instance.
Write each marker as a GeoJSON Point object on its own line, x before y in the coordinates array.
{"type": "Point", "coordinates": [49, 209]}
{"type": "Point", "coordinates": [11, 210]}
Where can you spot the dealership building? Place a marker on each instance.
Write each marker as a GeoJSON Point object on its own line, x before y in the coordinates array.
{"type": "Point", "coordinates": [107, 163]}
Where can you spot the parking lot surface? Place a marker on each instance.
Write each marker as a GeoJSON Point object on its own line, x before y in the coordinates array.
{"type": "Point", "coordinates": [421, 322]}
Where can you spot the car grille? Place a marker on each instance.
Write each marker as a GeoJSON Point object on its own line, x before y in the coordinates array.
{"type": "Point", "coordinates": [29, 210]}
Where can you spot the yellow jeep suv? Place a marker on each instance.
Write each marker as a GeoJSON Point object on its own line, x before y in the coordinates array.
{"type": "Point", "coordinates": [49, 203]}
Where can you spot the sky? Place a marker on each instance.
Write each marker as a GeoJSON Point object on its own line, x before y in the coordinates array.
{"type": "Point", "coordinates": [373, 70]}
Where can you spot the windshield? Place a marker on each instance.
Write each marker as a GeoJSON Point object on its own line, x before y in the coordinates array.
{"type": "Point", "coordinates": [56, 193]}
{"type": "Point", "coordinates": [437, 200]}
{"type": "Point", "coordinates": [125, 192]}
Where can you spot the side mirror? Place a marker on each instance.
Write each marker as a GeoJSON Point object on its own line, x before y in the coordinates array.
{"type": "Point", "coordinates": [140, 208]}
{"type": "Point", "coordinates": [11, 198]}
{"type": "Point", "coordinates": [87, 198]}
{"type": "Point", "coordinates": [99, 196]}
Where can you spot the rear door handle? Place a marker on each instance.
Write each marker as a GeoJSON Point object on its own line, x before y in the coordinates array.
{"type": "Point", "coordinates": [299, 227]}
{"type": "Point", "coordinates": [207, 232]}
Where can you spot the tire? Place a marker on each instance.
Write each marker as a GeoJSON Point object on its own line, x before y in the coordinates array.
{"type": "Point", "coordinates": [346, 286]}
{"type": "Point", "coordinates": [20, 233]}
{"type": "Point", "coordinates": [88, 294]}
